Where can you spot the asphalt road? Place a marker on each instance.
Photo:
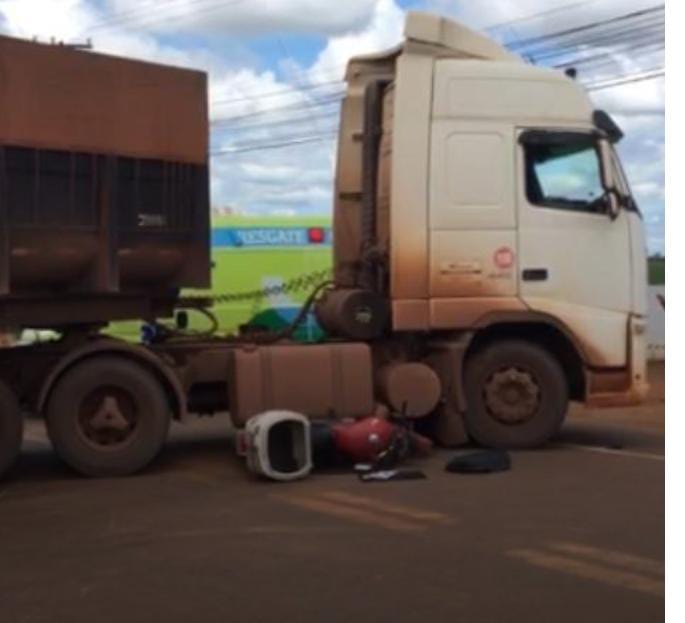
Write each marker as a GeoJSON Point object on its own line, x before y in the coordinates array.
{"type": "Point", "coordinates": [574, 532]}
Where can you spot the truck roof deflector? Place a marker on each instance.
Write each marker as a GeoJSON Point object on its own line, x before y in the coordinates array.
{"type": "Point", "coordinates": [435, 30]}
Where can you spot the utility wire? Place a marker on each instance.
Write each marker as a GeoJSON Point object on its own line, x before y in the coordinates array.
{"type": "Point", "coordinates": [296, 106]}
{"type": "Point", "coordinates": [239, 149]}
{"type": "Point", "coordinates": [141, 9]}
{"type": "Point", "coordinates": [242, 127]}
{"type": "Point", "coordinates": [626, 33]}
{"type": "Point", "coordinates": [144, 10]}
{"type": "Point", "coordinates": [608, 40]}
{"type": "Point", "coordinates": [515, 45]}
{"type": "Point", "coordinates": [281, 92]}
{"type": "Point", "coordinates": [248, 147]}
{"type": "Point", "coordinates": [626, 38]}
{"type": "Point", "coordinates": [139, 22]}
{"type": "Point", "coordinates": [592, 58]}
{"type": "Point", "coordinates": [628, 79]}
{"type": "Point", "coordinates": [143, 19]}
{"type": "Point", "coordinates": [535, 16]}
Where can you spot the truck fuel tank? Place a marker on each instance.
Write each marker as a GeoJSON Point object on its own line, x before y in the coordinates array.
{"type": "Point", "coordinates": [319, 380]}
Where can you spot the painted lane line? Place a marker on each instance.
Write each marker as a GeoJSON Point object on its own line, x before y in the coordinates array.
{"type": "Point", "coordinates": [590, 571]}
{"type": "Point", "coordinates": [375, 504]}
{"type": "Point", "coordinates": [351, 513]}
{"type": "Point", "coordinates": [627, 453]}
{"type": "Point", "coordinates": [619, 559]}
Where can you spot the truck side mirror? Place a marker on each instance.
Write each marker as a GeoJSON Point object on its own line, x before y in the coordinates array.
{"type": "Point", "coordinates": [609, 181]}
{"type": "Point", "coordinates": [608, 176]}
{"type": "Point", "coordinates": [613, 204]}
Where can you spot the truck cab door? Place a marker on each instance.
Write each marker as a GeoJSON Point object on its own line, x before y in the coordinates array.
{"type": "Point", "coordinates": [472, 221]}
{"type": "Point", "coordinates": [574, 244]}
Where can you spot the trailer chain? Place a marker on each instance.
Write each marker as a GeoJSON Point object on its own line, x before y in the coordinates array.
{"type": "Point", "coordinates": [305, 282]}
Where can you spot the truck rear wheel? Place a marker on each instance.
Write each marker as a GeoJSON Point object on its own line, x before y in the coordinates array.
{"type": "Point", "coordinates": [516, 394]}
{"type": "Point", "coordinates": [108, 417]}
{"type": "Point", "coordinates": [11, 428]}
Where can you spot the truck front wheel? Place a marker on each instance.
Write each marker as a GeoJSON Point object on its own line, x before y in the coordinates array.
{"type": "Point", "coordinates": [108, 416]}
{"type": "Point", "coordinates": [516, 395]}
{"type": "Point", "coordinates": [11, 428]}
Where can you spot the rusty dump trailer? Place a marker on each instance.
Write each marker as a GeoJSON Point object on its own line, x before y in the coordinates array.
{"type": "Point", "coordinates": [458, 299]}
{"type": "Point", "coordinates": [104, 216]}
{"type": "Point", "coordinates": [103, 186]}
{"type": "Point", "coordinates": [104, 201]}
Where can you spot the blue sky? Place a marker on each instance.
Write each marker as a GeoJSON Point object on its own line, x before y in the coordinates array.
{"type": "Point", "coordinates": [275, 66]}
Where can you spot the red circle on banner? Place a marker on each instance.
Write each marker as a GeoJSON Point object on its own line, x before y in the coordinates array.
{"type": "Point", "coordinates": [504, 257]}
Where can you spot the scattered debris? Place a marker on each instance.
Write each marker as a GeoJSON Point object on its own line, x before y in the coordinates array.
{"type": "Point", "coordinates": [479, 462]}
{"type": "Point", "coordinates": [392, 474]}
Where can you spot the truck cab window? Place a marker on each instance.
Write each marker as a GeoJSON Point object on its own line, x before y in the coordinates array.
{"type": "Point", "coordinates": [564, 173]}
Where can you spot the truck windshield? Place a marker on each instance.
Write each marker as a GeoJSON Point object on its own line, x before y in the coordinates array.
{"type": "Point", "coordinates": [564, 174]}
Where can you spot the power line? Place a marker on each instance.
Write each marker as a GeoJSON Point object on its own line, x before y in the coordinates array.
{"type": "Point", "coordinates": [614, 35]}
{"type": "Point", "coordinates": [281, 122]}
{"type": "Point", "coordinates": [297, 106]}
{"type": "Point", "coordinates": [123, 16]}
{"type": "Point", "coordinates": [318, 85]}
{"type": "Point", "coordinates": [135, 22]}
{"type": "Point", "coordinates": [651, 74]}
{"type": "Point", "coordinates": [574, 62]}
{"type": "Point", "coordinates": [240, 149]}
{"type": "Point", "coordinates": [281, 92]}
{"type": "Point", "coordinates": [514, 45]}
{"type": "Point", "coordinates": [614, 38]}
{"type": "Point", "coordinates": [259, 146]}
{"type": "Point", "coordinates": [628, 37]}
{"type": "Point", "coordinates": [606, 39]}
{"type": "Point", "coordinates": [541, 14]}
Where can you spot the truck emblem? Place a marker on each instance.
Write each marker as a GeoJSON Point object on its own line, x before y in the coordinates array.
{"type": "Point", "coordinates": [152, 220]}
{"type": "Point", "coordinates": [504, 257]}
{"type": "Point", "coordinates": [363, 314]}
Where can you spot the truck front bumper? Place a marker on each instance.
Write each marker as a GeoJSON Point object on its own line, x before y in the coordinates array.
{"type": "Point", "coordinates": [627, 386]}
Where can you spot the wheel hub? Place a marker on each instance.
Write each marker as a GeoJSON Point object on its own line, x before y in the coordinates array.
{"type": "Point", "coordinates": [512, 395]}
{"type": "Point", "coordinates": [107, 417]}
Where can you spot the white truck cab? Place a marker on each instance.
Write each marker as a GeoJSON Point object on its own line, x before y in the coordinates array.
{"type": "Point", "coordinates": [486, 194]}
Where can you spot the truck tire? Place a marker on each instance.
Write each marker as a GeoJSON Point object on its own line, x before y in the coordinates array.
{"type": "Point", "coordinates": [516, 395]}
{"type": "Point", "coordinates": [108, 416]}
{"type": "Point", "coordinates": [11, 429]}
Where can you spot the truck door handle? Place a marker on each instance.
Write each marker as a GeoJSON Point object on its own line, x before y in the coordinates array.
{"type": "Point", "coordinates": [534, 274]}
{"type": "Point", "coordinates": [460, 268]}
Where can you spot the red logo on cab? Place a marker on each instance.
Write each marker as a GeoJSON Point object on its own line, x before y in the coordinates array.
{"type": "Point", "coordinates": [504, 257]}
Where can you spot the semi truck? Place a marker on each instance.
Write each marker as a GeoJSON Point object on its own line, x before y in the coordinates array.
{"type": "Point", "coordinates": [488, 256]}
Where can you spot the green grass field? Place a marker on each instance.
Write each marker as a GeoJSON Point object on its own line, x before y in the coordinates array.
{"type": "Point", "coordinates": [270, 221]}
{"type": "Point", "coordinates": [657, 271]}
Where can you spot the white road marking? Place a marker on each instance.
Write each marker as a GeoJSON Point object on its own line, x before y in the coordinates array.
{"type": "Point", "coordinates": [637, 564]}
{"type": "Point", "coordinates": [591, 571]}
{"type": "Point", "coordinates": [375, 504]}
{"type": "Point", "coordinates": [628, 453]}
{"type": "Point", "coordinates": [350, 513]}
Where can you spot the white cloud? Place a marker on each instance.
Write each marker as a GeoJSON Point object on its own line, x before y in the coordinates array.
{"type": "Point", "coordinates": [382, 32]}
{"type": "Point", "coordinates": [45, 19]}
{"type": "Point", "coordinates": [302, 175]}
